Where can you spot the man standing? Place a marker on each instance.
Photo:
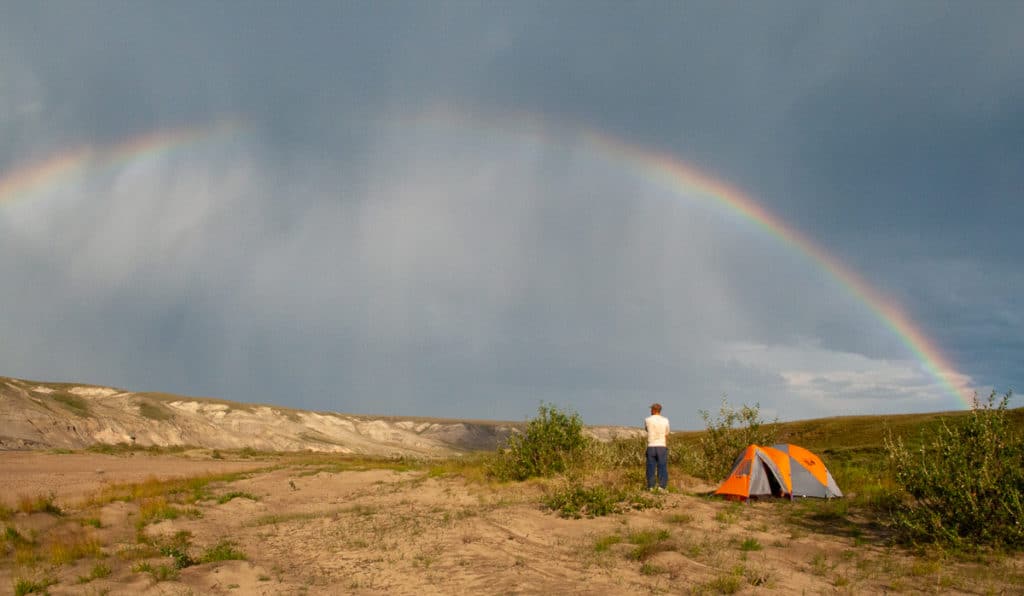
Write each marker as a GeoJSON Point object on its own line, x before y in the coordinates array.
{"type": "Point", "coordinates": [657, 447]}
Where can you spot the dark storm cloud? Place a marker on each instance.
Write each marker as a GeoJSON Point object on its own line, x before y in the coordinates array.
{"type": "Point", "coordinates": [303, 75]}
{"type": "Point", "coordinates": [920, 133]}
{"type": "Point", "coordinates": [903, 110]}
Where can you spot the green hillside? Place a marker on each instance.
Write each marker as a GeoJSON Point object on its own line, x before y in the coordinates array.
{"type": "Point", "coordinates": [845, 436]}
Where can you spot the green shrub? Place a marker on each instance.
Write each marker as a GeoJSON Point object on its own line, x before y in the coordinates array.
{"type": "Point", "coordinates": [725, 436]}
{"type": "Point", "coordinates": [551, 443]}
{"type": "Point", "coordinates": [965, 485]}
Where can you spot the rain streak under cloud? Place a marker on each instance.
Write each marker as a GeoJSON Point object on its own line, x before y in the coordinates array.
{"type": "Point", "coordinates": [373, 210]}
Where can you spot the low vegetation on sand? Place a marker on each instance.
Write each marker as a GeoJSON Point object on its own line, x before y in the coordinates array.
{"type": "Point", "coordinates": [933, 505]}
{"type": "Point", "coordinates": [959, 485]}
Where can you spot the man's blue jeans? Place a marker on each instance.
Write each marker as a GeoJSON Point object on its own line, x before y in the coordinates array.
{"type": "Point", "coordinates": [657, 460]}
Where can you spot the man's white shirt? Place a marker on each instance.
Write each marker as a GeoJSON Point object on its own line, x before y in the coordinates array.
{"type": "Point", "coordinates": [657, 430]}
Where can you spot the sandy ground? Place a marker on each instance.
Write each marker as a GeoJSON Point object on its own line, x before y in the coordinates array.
{"type": "Point", "coordinates": [312, 527]}
{"type": "Point", "coordinates": [73, 475]}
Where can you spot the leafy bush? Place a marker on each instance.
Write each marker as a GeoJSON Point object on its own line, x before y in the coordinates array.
{"type": "Point", "coordinates": [725, 436]}
{"type": "Point", "coordinates": [966, 486]}
{"type": "Point", "coordinates": [552, 442]}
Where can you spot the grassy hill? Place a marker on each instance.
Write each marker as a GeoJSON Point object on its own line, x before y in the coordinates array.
{"type": "Point", "coordinates": [852, 437]}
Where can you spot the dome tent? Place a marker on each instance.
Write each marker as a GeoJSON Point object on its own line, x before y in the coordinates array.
{"type": "Point", "coordinates": [783, 470]}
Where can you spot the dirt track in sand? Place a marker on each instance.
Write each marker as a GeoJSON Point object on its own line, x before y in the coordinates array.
{"type": "Point", "coordinates": [316, 528]}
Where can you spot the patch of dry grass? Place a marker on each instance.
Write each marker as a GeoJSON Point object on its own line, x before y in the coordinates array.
{"type": "Point", "coordinates": [71, 544]}
{"type": "Point", "coordinates": [38, 504]}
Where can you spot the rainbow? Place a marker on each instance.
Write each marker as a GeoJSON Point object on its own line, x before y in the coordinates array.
{"type": "Point", "coordinates": [662, 168]}
{"type": "Point", "coordinates": [684, 180]}
{"type": "Point", "coordinates": [50, 172]}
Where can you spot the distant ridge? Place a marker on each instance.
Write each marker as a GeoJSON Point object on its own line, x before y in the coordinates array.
{"type": "Point", "coordinates": [47, 415]}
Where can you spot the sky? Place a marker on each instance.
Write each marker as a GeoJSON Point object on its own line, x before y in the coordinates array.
{"type": "Point", "coordinates": [470, 209]}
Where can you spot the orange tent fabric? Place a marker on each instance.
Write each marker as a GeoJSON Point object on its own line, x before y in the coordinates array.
{"type": "Point", "coordinates": [781, 470]}
{"type": "Point", "coordinates": [808, 476]}
{"type": "Point", "coordinates": [754, 474]}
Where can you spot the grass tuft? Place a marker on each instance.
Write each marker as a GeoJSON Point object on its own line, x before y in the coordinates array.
{"type": "Point", "coordinates": [225, 550]}
{"type": "Point", "coordinates": [650, 569]}
{"type": "Point", "coordinates": [647, 543]}
{"type": "Point", "coordinates": [24, 586]}
{"type": "Point", "coordinates": [160, 573]}
{"type": "Point", "coordinates": [727, 583]}
{"type": "Point", "coordinates": [156, 509]}
{"type": "Point", "coordinates": [99, 571]}
{"type": "Point", "coordinates": [603, 544]}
